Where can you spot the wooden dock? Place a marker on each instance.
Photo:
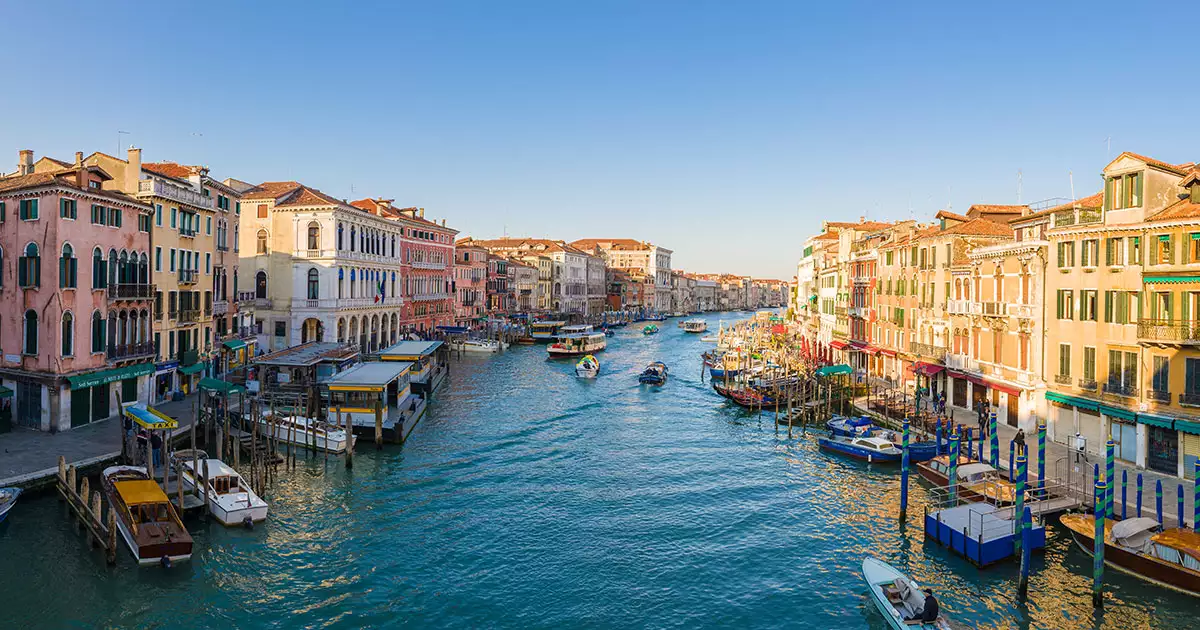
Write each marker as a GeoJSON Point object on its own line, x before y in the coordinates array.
{"type": "Point", "coordinates": [86, 508]}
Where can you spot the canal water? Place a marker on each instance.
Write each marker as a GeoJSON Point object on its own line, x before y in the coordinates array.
{"type": "Point", "coordinates": [528, 498]}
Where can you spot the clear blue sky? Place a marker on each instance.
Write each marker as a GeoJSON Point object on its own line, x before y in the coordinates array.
{"type": "Point", "coordinates": [723, 130]}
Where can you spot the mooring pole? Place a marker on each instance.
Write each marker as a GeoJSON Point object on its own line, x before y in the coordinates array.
{"type": "Point", "coordinates": [1124, 484]}
{"type": "Point", "coordinates": [1158, 501]}
{"type": "Point", "coordinates": [952, 479]}
{"type": "Point", "coordinates": [1041, 456]}
{"type": "Point", "coordinates": [1020, 501]}
{"type": "Point", "coordinates": [1110, 449]}
{"type": "Point", "coordinates": [1179, 504]}
{"type": "Point", "coordinates": [904, 473]}
{"type": "Point", "coordinates": [1196, 498]}
{"type": "Point", "coordinates": [1139, 495]}
{"type": "Point", "coordinates": [1026, 549]}
{"type": "Point", "coordinates": [996, 445]}
{"type": "Point", "coordinates": [1098, 546]}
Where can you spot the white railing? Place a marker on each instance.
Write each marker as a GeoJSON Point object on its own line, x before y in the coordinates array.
{"type": "Point", "coordinates": [314, 253]}
{"type": "Point", "coordinates": [959, 307]}
{"type": "Point", "coordinates": [420, 264]}
{"type": "Point", "coordinates": [425, 297]}
{"type": "Point", "coordinates": [335, 303]}
{"type": "Point", "coordinates": [220, 307]}
{"type": "Point", "coordinates": [1023, 311]}
{"type": "Point", "coordinates": [160, 188]}
{"type": "Point", "coordinates": [961, 362]}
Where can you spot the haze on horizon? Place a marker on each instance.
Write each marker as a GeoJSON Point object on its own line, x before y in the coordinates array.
{"type": "Point", "coordinates": [723, 131]}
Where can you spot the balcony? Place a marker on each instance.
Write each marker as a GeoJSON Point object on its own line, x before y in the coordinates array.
{"type": "Point", "coordinates": [1064, 218]}
{"type": "Point", "coordinates": [343, 303]}
{"type": "Point", "coordinates": [1022, 311]}
{"type": "Point", "coordinates": [188, 357]}
{"type": "Point", "coordinates": [315, 253]}
{"type": "Point", "coordinates": [926, 350]}
{"type": "Point", "coordinates": [1168, 331]}
{"type": "Point", "coordinates": [220, 307]}
{"type": "Point", "coordinates": [222, 248]}
{"type": "Point", "coordinates": [959, 307]}
{"type": "Point", "coordinates": [187, 276]}
{"type": "Point", "coordinates": [1112, 388]}
{"type": "Point", "coordinates": [1087, 384]}
{"type": "Point", "coordinates": [1062, 379]}
{"type": "Point", "coordinates": [187, 232]}
{"type": "Point", "coordinates": [126, 351]}
{"type": "Point", "coordinates": [127, 291]}
{"type": "Point", "coordinates": [263, 303]}
{"type": "Point", "coordinates": [994, 309]}
{"type": "Point", "coordinates": [1190, 399]}
{"type": "Point", "coordinates": [421, 264]}
{"type": "Point", "coordinates": [429, 297]}
{"type": "Point", "coordinates": [181, 194]}
{"type": "Point", "coordinates": [188, 315]}
{"type": "Point", "coordinates": [1158, 396]}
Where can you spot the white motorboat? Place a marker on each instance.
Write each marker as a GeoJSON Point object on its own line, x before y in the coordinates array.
{"type": "Point", "coordinates": [578, 342]}
{"type": "Point", "coordinates": [694, 326]}
{"type": "Point", "coordinates": [230, 499]}
{"type": "Point", "coordinates": [710, 339]}
{"type": "Point", "coordinates": [587, 367]}
{"type": "Point", "coordinates": [8, 498]}
{"type": "Point", "coordinates": [899, 598]}
{"type": "Point", "coordinates": [300, 430]}
{"type": "Point", "coordinates": [481, 345]}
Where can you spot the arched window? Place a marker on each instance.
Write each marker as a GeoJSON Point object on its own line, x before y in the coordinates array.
{"type": "Point", "coordinates": [123, 268]}
{"type": "Point", "coordinates": [314, 235]}
{"type": "Point", "coordinates": [262, 242]}
{"type": "Point", "coordinates": [339, 237]}
{"type": "Point", "coordinates": [67, 268]}
{"type": "Point", "coordinates": [29, 268]}
{"type": "Point", "coordinates": [353, 231]}
{"type": "Point", "coordinates": [30, 344]}
{"type": "Point", "coordinates": [98, 332]}
{"type": "Point", "coordinates": [68, 334]}
{"type": "Point", "coordinates": [99, 269]}
{"type": "Point", "coordinates": [112, 266]}
{"type": "Point", "coordinates": [314, 287]}
{"type": "Point", "coordinates": [144, 269]}
{"type": "Point", "coordinates": [260, 285]}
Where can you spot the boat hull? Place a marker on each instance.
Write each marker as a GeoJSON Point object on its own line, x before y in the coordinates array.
{"type": "Point", "coordinates": [229, 513]}
{"type": "Point", "coordinates": [301, 437]}
{"type": "Point", "coordinates": [1137, 565]}
{"type": "Point", "coordinates": [8, 500]}
{"type": "Point", "coordinates": [852, 451]}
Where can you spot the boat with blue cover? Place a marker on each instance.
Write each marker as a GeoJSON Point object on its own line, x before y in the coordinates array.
{"type": "Point", "coordinates": [654, 374]}
{"type": "Point", "coordinates": [871, 449]}
{"type": "Point", "coordinates": [8, 499]}
{"type": "Point", "coordinates": [862, 426]}
{"type": "Point", "coordinates": [850, 426]}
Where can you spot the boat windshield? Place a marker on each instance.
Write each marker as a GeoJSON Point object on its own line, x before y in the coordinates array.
{"type": "Point", "coordinates": [226, 485]}
{"type": "Point", "coordinates": [150, 513]}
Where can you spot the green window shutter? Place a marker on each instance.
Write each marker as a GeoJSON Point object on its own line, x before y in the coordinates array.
{"type": "Point", "coordinates": [1108, 191]}
{"type": "Point", "coordinates": [1108, 307]}
{"type": "Point", "coordinates": [1060, 255]}
{"type": "Point", "coordinates": [1060, 304]}
{"type": "Point", "coordinates": [1185, 306]}
{"type": "Point", "coordinates": [1137, 187]}
{"type": "Point", "coordinates": [1108, 252]}
{"type": "Point", "coordinates": [1170, 307]}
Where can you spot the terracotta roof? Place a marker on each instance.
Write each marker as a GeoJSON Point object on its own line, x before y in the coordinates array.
{"type": "Point", "coordinates": [532, 245]}
{"type": "Point", "coordinates": [290, 194]}
{"type": "Point", "coordinates": [1182, 209]}
{"type": "Point", "coordinates": [946, 214]}
{"type": "Point", "coordinates": [980, 227]}
{"type": "Point", "coordinates": [1153, 162]}
{"type": "Point", "coordinates": [65, 178]}
{"type": "Point", "coordinates": [859, 225]}
{"type": "Point", "coordinates": [170, 169]}
{"type": "Point", "coordinates": [985, 208]}
{"type": "Point", "coordinates": [827, 236]}
{"type": "Point", "coordinates": [270, 190]}
{"type": "Point", "coordinates": [621, 244]}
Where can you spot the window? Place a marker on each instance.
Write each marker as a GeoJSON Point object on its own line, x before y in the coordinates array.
{"type": "Point", "coordinates": [1194, 247]}
{"type": "Point", "coordinates": [98, 332]}
{"type": "Point", "coordinates": [172, 268]}
{"type": "Point", "coordinates": [114, 217]}
{"type": "Point", "coordinates": [280, 329]}
{"type": "Point", "coordinates": [1122, 370]}
{"type": "Point", "coordinates": [1066, 254]}
{"type": "Point", "coordinates": [3, 211]}
{"type": "Point", "coordinates": [30, 345]}
{"type": "Point", "coordinates": [1089, 364]}
{"type": "Point", "coordinates": [67, 208]}
{"type": "Point", "coordinates": [29, 268]}
{"type": "Point", "coordinates": [262, 210]}
{"type": "Point", "coordinates": [1191, 381]}
{"type": "Point", "coordinates": [158, 214]}
{"type": "Point", "coordinates": [1135, 250]}
{"type": "Point", "coordinates": [68, 268]}
{"type": "Point", "coordinates": [174, 217]}
{"type": "Point", "coordinates": [208, 225]}
{"type": "Point", "coordinates": [29, 210]}
{"type": "Point", "coordinates": [1064, 359]}
{"type": "Point", "coordinates": [262, 241]}
{"type": "Point", "coordinates": [1087, 305]}
{"type": "Point", "coordinates": [99, 269]}
{"type": "Point", "coordinates": [1090, 253]}
{"type": "Point", "coordinates": [143, 221]}
{"type": "Point", "coordinates": [1163, 253]}
{"type": "Point", "coordinates": [1160, 381]}
{"type": "Point", "coordinates": [260, 285]}
{"type": "Point", "coordinates": [313, 284]}
{"type": "Point", "coordinates": [1163, 306]}
{"type": "Point", "coordinates": [1114, 252]}
{"type": "Point", "coordinates": [68, 334]}
{"type": "Point", "coordinates": [1066, 304]}
{"type": "Point", "coordinates": [314, 236]}
{"type": "Point", "coordinates": [207, 263]}
{"type": "Point", "coordinates": [158, 258]}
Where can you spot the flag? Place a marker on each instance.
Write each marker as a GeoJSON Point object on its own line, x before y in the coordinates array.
{"type": "Point", "coordinates": [379, 294]}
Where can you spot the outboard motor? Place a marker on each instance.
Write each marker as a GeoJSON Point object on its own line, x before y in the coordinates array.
{"type": "Point", "coordinates": [248, 523]}
{"type": "Point", "coordinates": [165, 562]}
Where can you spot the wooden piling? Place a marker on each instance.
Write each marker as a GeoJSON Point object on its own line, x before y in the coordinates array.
{"type": "Point", "coordinates": [378, 425]}
{"type": "Point", "coordinates": [349, 442]}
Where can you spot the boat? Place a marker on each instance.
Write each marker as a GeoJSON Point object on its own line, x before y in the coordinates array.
{"type": "Point", "coordinates": [976, 480]}
{"type": "Point", "coordinates": [526, 340]}
{"type": "Point", "coordinates": [872, 449]}
{"type": "Point", "coordinates": [694, 326]}
{"type": "Point", "coordinates": [710, 339]}
{"type": "Point", "coordinates": [545, 330]}
{"type": "Point", "coordinates": [897, 597]}
{"type": "Point", "coordinates": [230, 499]}
{"type": "Point", "coordinates": [145, 517]}
{"type": "Point", "coordinates": [1142, 548]}
{"type": "Point", "coordinates": [608, 332]}
{"type": "Point", "coordinates": [745, 396]}
{"type": "Point", "coordinates": [650, 329]}
{"type": "Point", "coordinates": [8, 499]}
{"type": "Point", "coordinates": [481, 345]}
{"type": "Point", "coordinates": [843, 426]}
{"type": "Point", "coordinates": [578, 343]}
{"type": "Point", "coordinates": [862, 426]}
{"type": "Point", "coordinates": [654, 374]}
{"type": "Point", "coordinates": [587, 367]}
{"type": "Point", "coordinates": [300, 430]}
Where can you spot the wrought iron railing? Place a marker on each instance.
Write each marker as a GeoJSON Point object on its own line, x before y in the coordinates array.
{"type": "Point", "coordinates": [1186, 331]}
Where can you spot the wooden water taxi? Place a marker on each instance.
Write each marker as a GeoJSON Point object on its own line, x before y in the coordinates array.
{"type": "Point", "coordinates": [870, 449]}
{"type": "Point", "coordinates": [1142, 548]}
{"type": "Point", "coordinates": [8, 499]}
{"type": "Point", "coordinates": [545, 330]}
{"type": "Point", "coordinates": [654, 374]}
{"type": "Point", "coordinates": [577, 340]}
{"type": "Point", "coordinates": [145, 517]}
{"type": "Point", "coordinates": [230, 499]}
{"type": "Point", "coordinates": [976, 480]}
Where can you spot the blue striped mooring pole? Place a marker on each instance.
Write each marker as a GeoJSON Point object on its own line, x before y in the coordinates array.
{"type": "Point", "coordinates": [1139, 495]}
{"type": "Point", "coordinates": [1026, 550]}
{"type": "Point", "coordinates": [1124, 488]}
{"type": "Point", "coordinates": [1179, 505]}
{"type": "Point", "coordinates": [904, 474]}
{"type": "Point", "coordinates": [1041, 461]}
{"type": "Point", "coordinates": [952, 478]}
{"type": "Point", "coordinates": [1098, 546]}
{"type": "Point", "coordinates": [1196, 497]}
{"type": "Point", "coordinates": [1158, 500]}
{"type": "Point", "coordinates": [1020, 500]}
{"type": "Point", "coordinates": [1110, 449]}
{"type": "Point", "coordinates": [995, 444]}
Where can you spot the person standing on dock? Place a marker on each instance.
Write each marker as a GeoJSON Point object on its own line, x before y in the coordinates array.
{"type": "Point", "coordinates": [156, 444]}
{"type": "Point", "coordinates": [1019, 440]}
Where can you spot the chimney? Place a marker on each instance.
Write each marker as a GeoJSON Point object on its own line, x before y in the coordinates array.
{"type": "Point", "coordinates": [422, 215]}
{"type": "Point", "coordinates": [78, 158]}
{"type": "Point", "coordinates": [133, 170]}
{"type": "Point", "coordinates": [24, 162]}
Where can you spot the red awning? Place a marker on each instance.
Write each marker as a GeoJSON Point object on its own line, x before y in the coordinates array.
{"type": "Point", "coordinates": [838, 345]}
{"type": "Point", "coordinates": [1004, 387]}
{"type": "Point", "coordinates": [871, 350]}
{"type": "Point", "coordinates": [928, 369]}
{"type": "Point", "coordinates": [888, 351]}
{"type": "Point", "coordinates": [975, 379]}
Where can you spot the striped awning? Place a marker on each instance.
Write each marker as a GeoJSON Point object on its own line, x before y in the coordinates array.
{"type": "Point", "coordinates": [1076, 401]}
{"type": "Point", "coordinates": [1170, 279]}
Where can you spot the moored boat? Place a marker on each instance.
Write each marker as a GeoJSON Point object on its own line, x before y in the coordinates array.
{"type": "Point", "coordinates": [545, 330]}
{"type": "Point", "coordinates": [898, 597]}
{"type": "Point", "coordinates": [1142, 548]}
{"type": "Point", "coordinates": [654, 374]}
{"type": "Point", "coordinates": [976, 480]}
{"type": "Point", "coordinates": [694, 326]}
{"type": "Point", "coordinates": [871, 449]}
{"type": "Point", "coordinates": [745, 396]}
{"type": "Point", "coordinates": [481, 345]}
{"type": "Point", "coordinates": [301, 430]}
{"type": "Point", "coordinates": [587, 367]}
{"type": "Point", "coordinates": [230, 499]}
{"type": "Point", "coordinates": [8, 499]}
{"type": "Point", "coordinates": [710, 339]}
{"type": "Point", "coordinates": [850, 426]}
{"type": "Point", "coordinates": [650, 329]}
{"type": "Point", "coordinates": [147, 521]}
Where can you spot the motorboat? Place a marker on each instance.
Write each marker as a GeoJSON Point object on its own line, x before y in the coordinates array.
{"type": "Point", "coordinates": [8, 499]}
{"type": "Point", "coordinates": [862, 426]}
{"type": "Point", "coordinates": [580, 343]}
{"type": "Point", "coordinates": [145, 517]}
{"type": "Point", "coordinates": [481, 345]}
{"type": "Point", "coordinates": [650, 329]}
{"type": "Point", "coordinates": [872, 449]}
{"type": "Point", "coordinates": [843, 426]}
{"type": "Point", "coordinates": [976, 480]}
{"type": "Point", "coordinates": [230, 499]}
{"type": "Point", "coordinates": [710, 338]}
{"type": "Point", "coordinates": [694, 326]}
{"type": "Point", "coordinates": [545, 330]}
{"type": "Point", "coordinates": [587, 367]}
{"type": "Point", "coordinates": [898, 597]}
{"type": "Point", "coordinates": [654, 374]}
{"type": "Point", "coordinates": [1142, 548]}
{"type": "Point", "coordinates": [301, 430]}
{"type": "Point", "coordinates": [608, 332]}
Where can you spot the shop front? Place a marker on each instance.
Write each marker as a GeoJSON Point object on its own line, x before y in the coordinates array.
{"type": "Point", "coordinates": [189, 375]}
{"type": "Point", "coordinates": [1162, 440]}
{"type": "Point", "coordinates": [98, 395]}
{"type": "Point", "coordinates": [164, 380]}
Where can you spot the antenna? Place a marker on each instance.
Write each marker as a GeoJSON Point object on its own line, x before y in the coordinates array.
{"type": "Point", "coordinates": [1019, 183]}
{"type": "Point", "coordinates": [1071, 176]}
{"type": "Point", "coordinates": [1108, 147]}
{"type": "Point", "coordinates": [119, 134]}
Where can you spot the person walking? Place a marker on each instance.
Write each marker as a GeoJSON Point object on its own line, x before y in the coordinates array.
{"type": "Point", "coordinates": [156, 444]}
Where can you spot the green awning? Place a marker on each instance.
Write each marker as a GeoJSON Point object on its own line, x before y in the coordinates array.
{"type": "Point", "coordinates": [1170, 279]}
{"type": "Point", "coordinates": [5, 392]}
{"type": "Point", "coordinates": [1187, 426]}
{"type": "Point", "coordinates": [192, 369]}
{"type": "Point", "coordinates": [101, 377]}
{"type": "Point", "coordinates": [832, 370]}
{"type": "Point", "coordinates": [1118, 412]}
{"type": "Point", "coordinates": [234, 344]}
{"type": "Point", "coordinates": [1065, 399]}
{"type": "Point", "coordinates": [223, 387]}
{"type": "Point", "coordinates": [1157, 421]}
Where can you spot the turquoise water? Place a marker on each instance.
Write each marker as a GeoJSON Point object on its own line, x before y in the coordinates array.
{"type": "Point", "coordinates": [531, 499]}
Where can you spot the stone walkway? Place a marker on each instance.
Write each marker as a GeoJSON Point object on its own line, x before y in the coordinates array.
{"type": "Point", "coordinates": [28, 457]}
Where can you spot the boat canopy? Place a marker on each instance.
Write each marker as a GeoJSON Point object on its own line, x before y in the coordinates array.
{"type": "Point", "coordinates": [368, 377]}
{"type": "Point", "coordinates": [139, 491]}
{"type": "Point", "coordinates": [149, 417]}
{"type": "Point", "coordinates": [1134, 532]}
{"type": "Point", "coordinates": [453, 330]}
{"type": "Point", "coordinates": [970, 470]}
{"type": "Point", "coordinates": [833, 370]}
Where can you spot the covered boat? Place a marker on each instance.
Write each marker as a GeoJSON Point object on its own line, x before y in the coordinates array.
{"type": "Point", "coordinates": [545, 330]}
{"type": "Point", "coordinates": [850, 426]}
{"type": "Point", "coordinates": [8, 499]}
{"type": "Point", "coordinates": [654, 374]}
{"type": "Point", "coordinates": [650, 329]}
{"type": "Point", "coordinates": [147, 521]}
{"type": "Point", "coordinates": [587, 367]}
{"type": "Point", "coordinates": [898, 597]}
{"type": "Point", "coordinates": [976, 480]}
{"type": "Point", "coordinates": [745, 396]}
{"type": "Point", "coordinates": [230, 499]}
{"type": "Point", "coordinates": [577, 342]}
{"type": "Point", "coordinates": [1139, 546]}
{"type": "Point", "coordinates": [301, 430]}
{"type": "Point", "coordinates": [481, 345]}
{"type": "Point", "coordinates": [871, 449]}
{"type": "Point", "coordinates": [694, 326]}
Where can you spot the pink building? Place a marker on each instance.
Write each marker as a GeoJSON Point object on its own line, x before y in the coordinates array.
{"type": "Point", "coordinates": [470, 281]}
{"type": "Point", "coordinates": [76, 339]}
